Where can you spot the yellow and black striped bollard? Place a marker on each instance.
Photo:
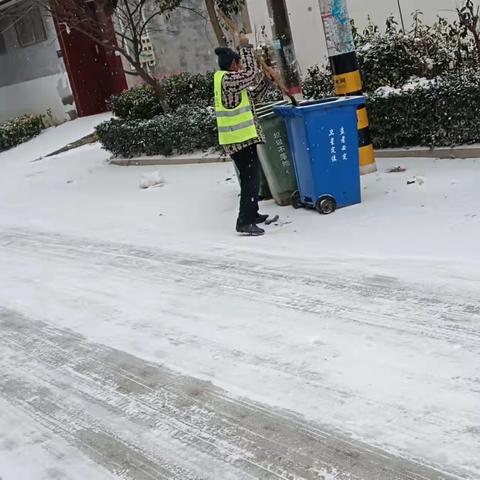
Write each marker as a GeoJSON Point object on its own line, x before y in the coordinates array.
{"type": "Point", "coordinates": [343, 60]}
{"type": "Point", "coordinates": [348, 82]}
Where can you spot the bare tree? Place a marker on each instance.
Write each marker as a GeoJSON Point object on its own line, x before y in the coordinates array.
{"type": "Point", "coordinates": [121, 25]}
{"type": "Point", "coordinates": [217, 9]}
{"type": "Point", "coordinates": [469, 17]}
{"type": "Point", "coordinates": [214, 20]}
{"type": "Point", "coordinates": [124, 33]}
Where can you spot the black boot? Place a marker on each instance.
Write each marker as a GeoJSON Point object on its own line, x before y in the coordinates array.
{"type": "Point", "coordinates": [250, 230]}
{"type": "Point", "coordinates": [261, 219]}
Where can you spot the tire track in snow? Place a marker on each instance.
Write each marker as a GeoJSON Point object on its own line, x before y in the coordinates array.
{"type": "Point", "coordinates": [427, 313]}
{"type": "Point", "coordinates": [379, 302]}
{"type": "Point", "coordinates": [144, 422]}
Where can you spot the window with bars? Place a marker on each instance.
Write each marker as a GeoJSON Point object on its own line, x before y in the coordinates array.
{"type": "Point", "coordinates": [30, 28]}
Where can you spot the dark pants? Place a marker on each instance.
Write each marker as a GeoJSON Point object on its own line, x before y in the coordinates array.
{"type": "Point", "coordinates": [248, 165]}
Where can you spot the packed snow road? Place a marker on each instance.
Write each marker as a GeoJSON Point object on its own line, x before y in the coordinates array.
{"type": "Point", "coordinates": [141, 339]}
{"type": "Point", "coordinates": [139, 421]}
{"type": "Point", "coordinates": [360, 355]}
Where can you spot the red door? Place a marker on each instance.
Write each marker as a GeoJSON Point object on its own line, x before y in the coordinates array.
{"type": "Point", "coordinates": [95, 73]}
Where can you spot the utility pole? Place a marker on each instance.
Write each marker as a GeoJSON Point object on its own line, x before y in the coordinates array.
{"type": "Point", "coordinates": [283, 47]}
{"type": "Point", "coordinates": [346, 73]}
{"type": "Point", "coordinates": [401, 14]}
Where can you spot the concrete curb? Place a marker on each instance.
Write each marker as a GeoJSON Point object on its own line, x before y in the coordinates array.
{"type": "Point", "coordinates": [137, 162]}
{"type": "Point", "coordinates": [420, 152]}
{"type": "Point", "coordinates": [425, 152]}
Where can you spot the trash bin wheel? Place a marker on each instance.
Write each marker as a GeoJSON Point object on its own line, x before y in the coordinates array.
{"type": "Point", "coordinates": [296, 202]}
{"type": "Point", "coordinates": [326, 205]}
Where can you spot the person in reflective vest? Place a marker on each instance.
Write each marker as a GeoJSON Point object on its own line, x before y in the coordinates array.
{"type": "Point", "coordinates": [238, 84]}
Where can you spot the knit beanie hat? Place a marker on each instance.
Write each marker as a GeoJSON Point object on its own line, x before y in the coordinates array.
{"type": "Point", "coordinates": [226, 56]}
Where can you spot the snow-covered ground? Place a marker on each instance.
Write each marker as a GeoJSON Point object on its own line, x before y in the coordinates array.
{"type": "Point", "coordinates": [366, 322]}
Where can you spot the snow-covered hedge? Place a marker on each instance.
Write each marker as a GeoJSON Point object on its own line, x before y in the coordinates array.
{"type": "Point", "coordinates": [441, 112]}
{"type": "Point", "coordinates": [20, 130]}
{"type": "Point", "coordinates": [138, 103]}
{"type": "Point", "coordinates": [187, 88]}
{"type": "Point", "coordinates": [186, 130]}
{"type": "Point", "coordinates": [141, 128]}
{"type": "Point", "coordinates": [441, 109]}
{"type": "Point", "coordinates": [318, 83]}
{"type": "Point", "coordinates": [392, 56]}
{"type": "Point", "coordinates": [141, 103]}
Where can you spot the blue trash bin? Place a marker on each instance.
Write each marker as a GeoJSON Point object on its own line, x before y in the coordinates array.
{"type": "Point", "coordinates": [323, 137]}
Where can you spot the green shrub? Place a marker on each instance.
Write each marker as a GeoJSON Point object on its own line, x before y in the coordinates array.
{"type": "Point", "coordinates": [184, 89]}
{"type": "Point", "coordinates": [392, 57]}
{"type": "Point", "coordinates": [273, 94]}
{"type": "Point", "coordinates": [19, 130]}
{"type": "Point", "coordinates": [443, 109]}
{"type": "Point", "coordinates": [318, 83]}
{"type": "Point", "coordinates": [187, 130]}
{"type": "Point", "coordinates": [139, 103]}
{"type": "Point", "coordinates": [442, 112]}
{"type": "Point", "coordinates": [439, 112]}
{"type": "Point", "coordinates": [188, 89]}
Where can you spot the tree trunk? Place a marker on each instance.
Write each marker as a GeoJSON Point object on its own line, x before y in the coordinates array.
{"type": "Point", "coordinates": [155, 84]}
{"type": "Point", "coordinates": [217, 28]}
{"type": "Point", "coordinates": [476, 36]}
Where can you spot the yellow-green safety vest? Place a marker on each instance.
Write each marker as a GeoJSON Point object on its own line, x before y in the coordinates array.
{"type": "Point", "coordinates": [235, 125]}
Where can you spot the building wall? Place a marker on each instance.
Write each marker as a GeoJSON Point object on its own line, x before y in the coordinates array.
{"type": "Point", "coordinates": [33, 79]}
{"type": "Point", "coordinates": [36, 96]}
{"type": "Point", "coordinates": [184, 41]}
{"type": "Point", "coordinates": [24, 64]}
{"type": "Point", "coordinates": [379, 11]}
{"type": "Point", "coordinates": [307, 28]}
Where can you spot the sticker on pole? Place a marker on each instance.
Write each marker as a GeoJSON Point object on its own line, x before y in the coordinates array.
{"type": "Point", "coordinates": [277, 44]}
{"type": "Point", "coordinates": [336, 23]}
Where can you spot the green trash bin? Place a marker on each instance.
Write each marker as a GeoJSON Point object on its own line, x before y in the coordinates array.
{"type": "Point", "coordinates": [265, 192]}
{"type": "Point", "coordinates": [275, 156]}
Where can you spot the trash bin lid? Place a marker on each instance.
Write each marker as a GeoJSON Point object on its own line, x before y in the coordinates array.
{"type": "Point", "coordinates": [268, 107]}
{"type": "Point", "coordinates": [306, 103]}
{"type": "Point", "coordinates": [266, 116]}
{"type": "Point", "coordinates": [312, 105]}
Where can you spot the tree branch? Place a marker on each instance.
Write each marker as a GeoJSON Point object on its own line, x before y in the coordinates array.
{"type": "Point", "coordinates": [217, 28]}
